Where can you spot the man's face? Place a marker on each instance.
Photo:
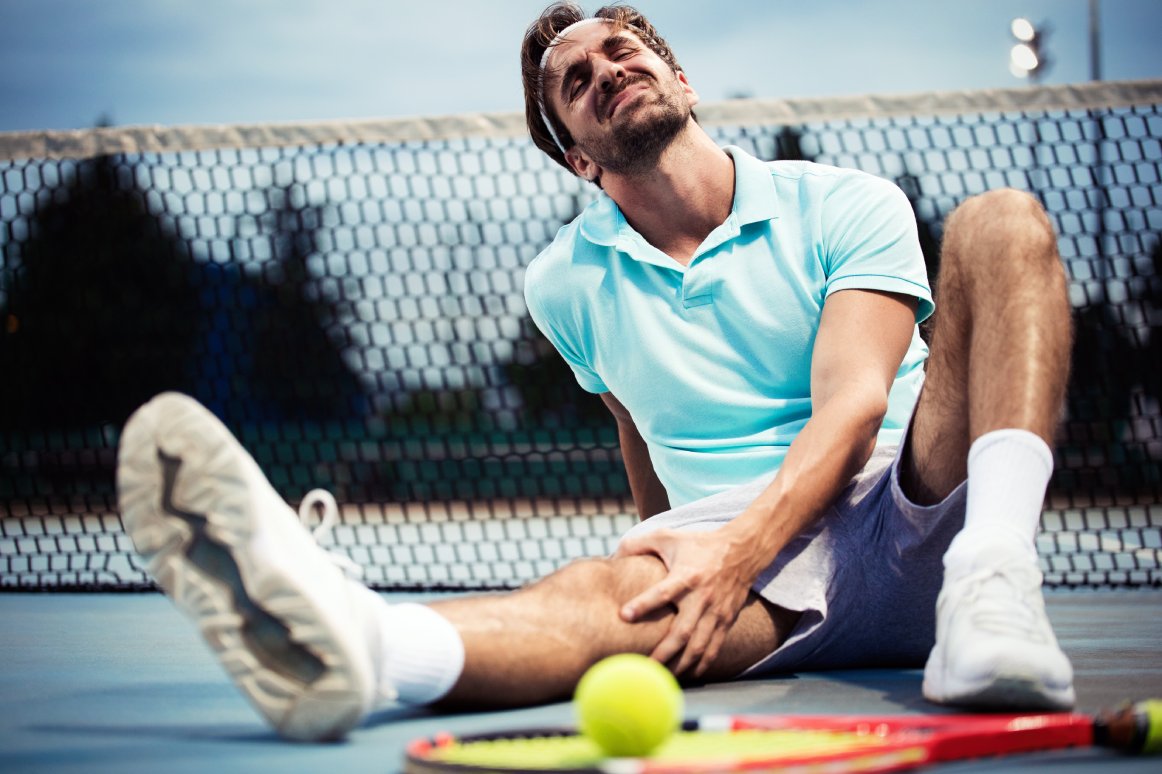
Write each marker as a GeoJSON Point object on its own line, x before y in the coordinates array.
{"type": "Point", "coordinates": [620, 101]}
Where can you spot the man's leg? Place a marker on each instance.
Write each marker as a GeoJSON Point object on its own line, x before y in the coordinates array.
{"type": "Point", "coordinates": [313, 650]}
{"type": "Point", "coordinates": [534, 644]}
{"type": "Point", "coordinates": [988, 411]}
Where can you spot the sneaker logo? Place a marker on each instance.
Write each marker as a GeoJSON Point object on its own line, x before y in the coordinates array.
{"type": "Point", "coordinates": [267, 638]}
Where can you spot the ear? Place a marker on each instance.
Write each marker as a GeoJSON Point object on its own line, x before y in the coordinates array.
{"type": "Point", "coordinates": [692, 97]}
{"type": "Point", "coordinates": [583, 166]}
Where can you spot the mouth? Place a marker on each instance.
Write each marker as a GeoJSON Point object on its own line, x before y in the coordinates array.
{"type": "Point", "coordinates": [623, 95]}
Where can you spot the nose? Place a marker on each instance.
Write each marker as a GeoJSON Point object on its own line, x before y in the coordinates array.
{"type": "Point", "coordinates": [608, 74]}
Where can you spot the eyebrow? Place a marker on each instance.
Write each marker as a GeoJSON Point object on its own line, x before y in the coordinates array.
{"type": "Point", "coordinates": [608, 46]}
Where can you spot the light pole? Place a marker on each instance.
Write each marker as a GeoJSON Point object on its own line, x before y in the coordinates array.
{"type": "Point", "coordinates": [1094, 40]}
{"type": "Point", "coordinates": [1101, 183]}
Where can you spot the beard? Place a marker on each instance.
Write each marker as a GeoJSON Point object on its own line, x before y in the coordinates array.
{"type": "Point", "coordinates": [635, 143]}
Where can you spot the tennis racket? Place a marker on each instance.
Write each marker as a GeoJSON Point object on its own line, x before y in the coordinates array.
{"type": "Point", "coordinates": [843, 743]}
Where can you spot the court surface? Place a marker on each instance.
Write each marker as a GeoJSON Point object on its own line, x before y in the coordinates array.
{"type": "Point", "coordinates": [121, 682]}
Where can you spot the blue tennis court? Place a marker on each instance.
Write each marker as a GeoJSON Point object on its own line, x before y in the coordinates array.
{"type": "Point", "coordinates": [122, 682]}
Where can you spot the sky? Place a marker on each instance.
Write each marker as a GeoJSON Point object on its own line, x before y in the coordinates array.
{"type": "Point", "coordinates": [71, 63]}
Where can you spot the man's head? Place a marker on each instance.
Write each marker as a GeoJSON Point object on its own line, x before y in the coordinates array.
{"type": "Point", "coordinates": [603, 90]}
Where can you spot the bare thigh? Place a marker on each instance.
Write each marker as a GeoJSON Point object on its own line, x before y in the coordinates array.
{"type": "Point", "coordinates": [535, 643]}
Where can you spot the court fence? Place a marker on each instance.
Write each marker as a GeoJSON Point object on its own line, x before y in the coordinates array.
{"type": "Point", "coordinates": [347, 297]}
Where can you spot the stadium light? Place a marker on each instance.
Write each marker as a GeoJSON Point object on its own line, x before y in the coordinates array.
{"type": "Point", "coordinates": [1023, 30]}
{"type": "Point", "coordinates": [1025, 57]}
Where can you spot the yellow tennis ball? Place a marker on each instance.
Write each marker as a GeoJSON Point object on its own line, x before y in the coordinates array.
{"type": "Point", "coordinates": [1152, 709]}
{"type": "Point", "coordinates": [628, 704]}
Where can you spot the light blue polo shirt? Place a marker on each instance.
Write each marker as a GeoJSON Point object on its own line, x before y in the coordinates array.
{"type": "Point", "coordinates": [713, 360]}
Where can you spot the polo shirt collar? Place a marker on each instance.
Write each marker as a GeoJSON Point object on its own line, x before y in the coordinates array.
{"type": "Point", "coordinates": [603, 223]}
{"type": "Point", "coordinates": [754, 191]}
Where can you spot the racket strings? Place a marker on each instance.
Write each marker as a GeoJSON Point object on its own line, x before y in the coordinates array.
{"type": "Point", "coordinates": [685, 747]}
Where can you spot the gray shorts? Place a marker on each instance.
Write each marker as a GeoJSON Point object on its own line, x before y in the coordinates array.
{"type": "Point", "coordinates": [864, 577]}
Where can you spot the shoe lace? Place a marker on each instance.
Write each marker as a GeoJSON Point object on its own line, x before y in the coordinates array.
{"type": "Point", "coordinates": [324, 502]}
{"type": "Point", "coordinates": [1006, 597]}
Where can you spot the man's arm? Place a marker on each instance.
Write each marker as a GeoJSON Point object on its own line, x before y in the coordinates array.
{"type": "Point", "coordinates": [648, 493]}
{"type": "Point", "coordinates": [863, 337]}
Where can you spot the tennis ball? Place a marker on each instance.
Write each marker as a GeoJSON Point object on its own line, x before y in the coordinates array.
{"type": "Point", "coordinates": [1152, 708]}
{"type": "Point", "coordinates": [628, 704]}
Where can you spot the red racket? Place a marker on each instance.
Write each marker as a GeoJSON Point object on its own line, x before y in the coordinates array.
{"type": "Point", "coordinates": [833, 743]}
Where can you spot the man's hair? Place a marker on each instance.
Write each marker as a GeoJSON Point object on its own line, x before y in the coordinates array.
{"type": "Point", "coordinates": [541, 34]}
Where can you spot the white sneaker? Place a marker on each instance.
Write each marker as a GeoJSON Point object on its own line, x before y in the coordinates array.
{"type": "Point", "coordinates": [995, 647]}
{"type": "Point", "coordinates": [292, 630]}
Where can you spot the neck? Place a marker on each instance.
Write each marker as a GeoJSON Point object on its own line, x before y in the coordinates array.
{"type": "Point", "coordinates": [676, 204]}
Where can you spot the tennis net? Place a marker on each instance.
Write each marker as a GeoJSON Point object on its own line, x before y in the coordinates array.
{"type": "Point", "coordinates": [347, 298]}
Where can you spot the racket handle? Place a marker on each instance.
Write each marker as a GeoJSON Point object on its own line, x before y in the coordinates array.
{"type": "Point", "coordinates": [1135, 728]}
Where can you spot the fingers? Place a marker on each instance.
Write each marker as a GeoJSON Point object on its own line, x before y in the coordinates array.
{"type": "Point", "coordinates": [713, 648]}
{"type": "Point", "coordinates": [662, 594]}
{"type": "Point", "coordinates": [667, 591]}
{"type": "Point", "coordinates": [705, 595]}
{"type": "Point", "coordinates": [696, 643]}
{"type": "Point", "coordinates": [676, 640]}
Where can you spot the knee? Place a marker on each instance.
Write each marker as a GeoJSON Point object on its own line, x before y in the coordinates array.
{"type": "Point", "coordinates": [1001, 229]}
{"type": "Point", "coordinates": [1002, 200]}
{"type": "Point", "coordinates": [613, 580]}
{"type": "Point", "coordinates": [1003, 209]}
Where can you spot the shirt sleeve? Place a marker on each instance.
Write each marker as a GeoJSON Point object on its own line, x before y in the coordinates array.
{"type": "Point", "coordinates": [549, 308]}
{"type": "Point", "coordinates": [871, 243]}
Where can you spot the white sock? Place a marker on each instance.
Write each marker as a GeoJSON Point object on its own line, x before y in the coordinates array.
{"type": "Point", "coordinates": [420, 653]}
{"type": "Point", "coordinates": [1008, 473]}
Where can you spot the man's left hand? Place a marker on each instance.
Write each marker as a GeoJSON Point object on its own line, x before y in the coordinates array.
{"type": "Point", "coordinates": [707, 581]}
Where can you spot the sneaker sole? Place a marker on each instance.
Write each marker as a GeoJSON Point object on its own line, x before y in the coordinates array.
{"type": "Point", "coordinates": [185, 504]}
{"type": "Point", "coordinates": [998, 692]}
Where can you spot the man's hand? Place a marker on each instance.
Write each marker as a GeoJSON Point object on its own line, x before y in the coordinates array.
{"type": "Point", "coordinates": [708, 580]}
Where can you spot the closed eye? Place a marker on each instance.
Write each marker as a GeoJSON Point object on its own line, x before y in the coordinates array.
{"type": "Point", "coordinates": [573, 81]}
{"type": "Point", "coordinates": [578, 89]}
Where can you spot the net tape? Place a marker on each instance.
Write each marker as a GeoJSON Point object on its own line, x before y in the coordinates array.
{"type": "Point", "coordinates": [347, 297]}
{"type": "Point", "coordinates": [443, 546]}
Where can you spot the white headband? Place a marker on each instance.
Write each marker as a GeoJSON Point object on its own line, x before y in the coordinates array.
{"type": "Point", "coordinates": [545, 60]}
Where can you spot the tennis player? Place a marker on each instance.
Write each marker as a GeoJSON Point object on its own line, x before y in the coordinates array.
{"type": "Point", "coordinates": [817, 490]}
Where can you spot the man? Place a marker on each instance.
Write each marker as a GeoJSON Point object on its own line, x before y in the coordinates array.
{"type": "Point", "coordinates": [752, 327]}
